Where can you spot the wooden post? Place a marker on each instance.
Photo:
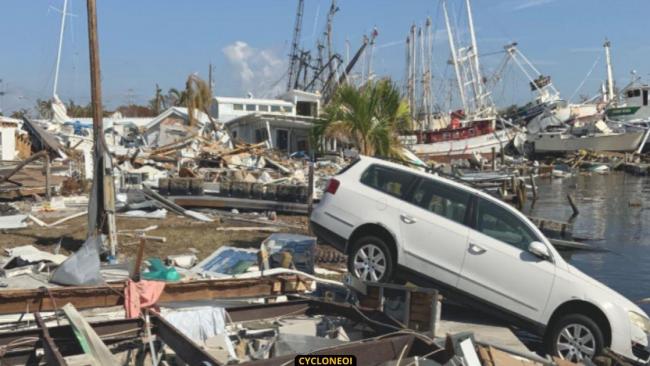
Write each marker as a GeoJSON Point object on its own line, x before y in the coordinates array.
{"type": "Point", "coordinates": [534, 186]}
{"type": "Point", "coordinates": [138, 259]}
{"type": "Point", "coordinates": [573, 205]}
{"type": "Point", "coordinates": [96, 101]}
{"type": "Point", "coordinates": [105, 210]}
{"type": "Point", "coordinates": [523, 196]}
{"type": "Point", "coordinates": [48, 191]}
{"type": "Point", "coordinates": [494, 158]}
{"type": "Point", "coordinates": [95, 76]}
{"type": "Point", "coordinates": [310, 189]}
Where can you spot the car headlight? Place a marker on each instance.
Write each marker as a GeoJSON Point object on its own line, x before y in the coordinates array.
{"type": "Point", "coordinates": [640, 321]}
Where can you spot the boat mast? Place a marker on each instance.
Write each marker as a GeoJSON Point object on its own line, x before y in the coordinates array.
{"type": "Point", "coordinates": [454, 57]}
{"type": "Point", "coordinates": [478, 82]}
{"type": "Point", "coordinates": [58, 55]}
{"type": "Point", "coordinates": [610, 73]}
{"type": "Point", "coordinates": [427, 73]}
{"type": "Point", "coordinates": [413, 71]}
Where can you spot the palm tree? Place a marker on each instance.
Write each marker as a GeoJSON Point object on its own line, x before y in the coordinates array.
{"type": "Point", "coordinates": [370, 118]}
{"type": "Point", "coordinates": [198, 96]}
{"type": "Point", "coordinates": [175, 98]}
{"type": "Point", "coordinates": [157, 104]}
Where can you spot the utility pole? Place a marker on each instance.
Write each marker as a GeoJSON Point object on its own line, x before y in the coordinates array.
{"type": "Point", "coordinates": [103, 184]}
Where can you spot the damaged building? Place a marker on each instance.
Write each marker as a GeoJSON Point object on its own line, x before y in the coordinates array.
{"type": "Point", "coordinates": [284, 123]}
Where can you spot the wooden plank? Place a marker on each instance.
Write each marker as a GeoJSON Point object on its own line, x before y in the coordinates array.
{"type": "Point", "coordinates": [239, 203]}
{"type": "Point", "coordinates": [90, 341]}
{"type": "Point", "coordinates": [184, 347]}
{"type": "Point", "coordinates": [82, 297]}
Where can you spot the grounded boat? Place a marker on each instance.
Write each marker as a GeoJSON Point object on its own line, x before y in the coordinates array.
{"type": "Point", "coordinates": [634, 107]}
{"type": "Point", "coordinates": [560, 141]}
{"type": "Point", "coordinates": [474, 128]}
{"type": "Point", "coordinates": [592, 135]}
{"type": "Point", "coordinates": [459, 143]}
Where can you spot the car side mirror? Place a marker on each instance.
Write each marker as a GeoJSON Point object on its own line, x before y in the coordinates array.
{"type": "Point", "coordinates": [539, 249]}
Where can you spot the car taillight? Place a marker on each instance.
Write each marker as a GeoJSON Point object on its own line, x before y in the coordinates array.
{"type": "Point", "coordinates": [332, 186]}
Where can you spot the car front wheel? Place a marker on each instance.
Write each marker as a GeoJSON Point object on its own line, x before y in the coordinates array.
{"type": "Point", "coordinates": [371, 260]}
{"type": "Point", "coordinates": [574, 338]}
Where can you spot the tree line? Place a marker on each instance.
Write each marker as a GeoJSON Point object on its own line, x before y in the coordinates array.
{"type": "Point", "coordinates": [195, 95]}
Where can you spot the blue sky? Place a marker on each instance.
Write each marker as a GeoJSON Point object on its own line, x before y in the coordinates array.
{"type": "Point", "coordinates": [146, 42]}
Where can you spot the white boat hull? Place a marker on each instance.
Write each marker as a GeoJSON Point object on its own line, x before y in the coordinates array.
{"type": "Point", "coordinates": [558, 142]}
{"type": "Point", "coordinates": [456, 149]}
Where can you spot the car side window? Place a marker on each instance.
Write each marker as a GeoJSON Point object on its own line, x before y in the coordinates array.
{"type": "Point", "coordinates": [387, 180]}
{"type": "Point", "coordinates": [441, 199]}
{"type": "Point", "coordinates": [500, 224]}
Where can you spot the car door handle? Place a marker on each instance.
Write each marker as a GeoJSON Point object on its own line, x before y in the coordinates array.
{"type": "Point", "coordinates": [476, 249]}
{"type": "Point", "coordinates": [407, 219]}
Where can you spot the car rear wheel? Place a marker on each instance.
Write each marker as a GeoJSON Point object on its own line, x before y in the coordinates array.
{"type": "Point", "coordinates": [371, 260]}
{"type": "Point", "coordinates": [575, 337]}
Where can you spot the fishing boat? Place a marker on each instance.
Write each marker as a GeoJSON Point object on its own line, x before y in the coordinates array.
{"type": "Point", "coordinates": [475, 128]}
{"type": "Point", "coordinates": [463, 140]}
{"type": "Point", "coordinates": [633, 107]}
{"type": "Point", "coordinates": [587, 135]}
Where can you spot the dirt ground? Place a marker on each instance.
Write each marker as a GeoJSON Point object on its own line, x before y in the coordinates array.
{"type": "Point", "coordinates": [181, 234]}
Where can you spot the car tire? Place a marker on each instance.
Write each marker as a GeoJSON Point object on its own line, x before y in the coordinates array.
{"type": "Point", "coordinates": [370, 259]}
{"type": "Point", "coordinates": [574, 337]}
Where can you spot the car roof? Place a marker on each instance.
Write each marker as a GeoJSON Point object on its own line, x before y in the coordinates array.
{"type": "Point", "coordinates": [437, 177]}
{"type": "Point", "coordinates": [422, 174]}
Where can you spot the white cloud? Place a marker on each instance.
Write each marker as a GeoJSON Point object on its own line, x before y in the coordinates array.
{"type": "Point", "coordinates": [256, 70]}
{"type": "Point", "coordinates": [525, 4]}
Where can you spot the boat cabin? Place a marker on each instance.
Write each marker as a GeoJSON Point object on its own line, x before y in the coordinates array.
{"type": "Point", "coordinates": [636, 95]}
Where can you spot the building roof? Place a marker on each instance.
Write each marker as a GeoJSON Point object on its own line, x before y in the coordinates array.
{"type": "Point", "coordinates": [233, 100]}
{"type": "Point", "coordinates": [302, 121]}
{"type": "Point", "coordinates": [9, 120]}
{"type": "Point", "coordinates": [201, 117]}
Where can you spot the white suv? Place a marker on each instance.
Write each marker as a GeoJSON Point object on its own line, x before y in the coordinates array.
{"type": "Point", "coordinates": [394, 221]}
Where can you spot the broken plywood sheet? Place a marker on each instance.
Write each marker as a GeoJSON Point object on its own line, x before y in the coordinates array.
{"type": "Point", "coordinates": [13, 222]}
{"type": "Point", "coordinates": [31, 179]}
{"type": "Point", "coordinates": [31, 254]}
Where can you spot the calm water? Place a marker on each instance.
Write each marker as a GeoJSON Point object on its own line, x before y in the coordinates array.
{"type": "Point", "coordinates": [609, 221]}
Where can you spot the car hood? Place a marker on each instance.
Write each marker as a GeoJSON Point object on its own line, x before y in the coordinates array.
{"type": "Point", "coordinates": [613, 296]}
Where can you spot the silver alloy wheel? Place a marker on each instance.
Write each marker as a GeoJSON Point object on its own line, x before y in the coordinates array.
{"type": "Point", "coordinates": [576, 342]}
{"type": "Point", "coordinates": [369, 263]}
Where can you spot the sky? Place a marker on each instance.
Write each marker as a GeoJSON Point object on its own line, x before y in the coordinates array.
{"type": "Point", "coordinates": [149, 42]}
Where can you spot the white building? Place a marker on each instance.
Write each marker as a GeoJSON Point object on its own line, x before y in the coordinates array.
{"type": "Point", "coordinates": [293, 103]}
{"type": "Point", "coordinates": [285, 123]}
{"type": "Point", "coordinates": [225, 109]}
{"type": "Point", "coordinates": [8, 127]}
